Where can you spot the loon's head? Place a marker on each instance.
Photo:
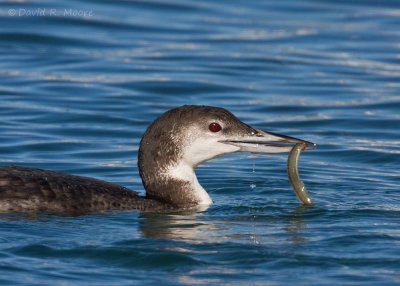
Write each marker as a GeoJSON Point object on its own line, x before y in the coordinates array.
{"type": "Point", "coordinates": [183, 137]}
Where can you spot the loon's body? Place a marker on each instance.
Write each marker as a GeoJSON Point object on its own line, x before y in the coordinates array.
{"type": "Point", "coordinates": [37, 190]}
{"type": "Point", "coordinates": [173, 145]}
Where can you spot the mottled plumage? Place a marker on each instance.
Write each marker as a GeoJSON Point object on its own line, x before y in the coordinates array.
{"type": "Point", "coordinates": [38, 190]}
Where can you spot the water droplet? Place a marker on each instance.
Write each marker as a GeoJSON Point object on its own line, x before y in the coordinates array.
{"type": "Point", "coordinates": [254, 162]}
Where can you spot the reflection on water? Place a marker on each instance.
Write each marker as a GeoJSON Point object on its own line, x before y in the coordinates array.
{"type": "Point", "coordinates": [187, 226]}
{"type": "Point", "coordinates": [296, 225]}
{"type": "Point", "coordinates": [195, 228]}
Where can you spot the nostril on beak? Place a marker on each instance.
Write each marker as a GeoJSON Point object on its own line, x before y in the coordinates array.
{"type": "Point", "coordinates": [255, 132]}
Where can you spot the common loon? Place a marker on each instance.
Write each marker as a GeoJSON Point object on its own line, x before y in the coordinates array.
{"type": "Point", "coordinates": [172, 146]}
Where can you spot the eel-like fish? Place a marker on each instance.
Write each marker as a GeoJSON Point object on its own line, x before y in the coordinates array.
{"type": "Point", "coordinates": [293, 174]}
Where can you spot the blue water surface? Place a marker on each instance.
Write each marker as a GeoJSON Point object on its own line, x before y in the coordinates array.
{"type": "Point", "coordinates": [81, 80]}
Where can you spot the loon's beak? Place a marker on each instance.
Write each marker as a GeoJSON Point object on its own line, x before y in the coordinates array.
{"type": "Point", "coordinates": [260, 141]}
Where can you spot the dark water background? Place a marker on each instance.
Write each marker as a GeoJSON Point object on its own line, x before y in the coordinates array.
{"type": "Point", "coordinates": [80, 83]}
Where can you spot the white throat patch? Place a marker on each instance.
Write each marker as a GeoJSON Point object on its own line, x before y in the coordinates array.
{"type": "Point", "coordinates": [184, 172]}
{"type": "Point", "coordinates": [200, 150]}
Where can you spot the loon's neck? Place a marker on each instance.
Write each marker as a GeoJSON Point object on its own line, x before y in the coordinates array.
{"type": "Point", "coordinates": [185, 173]}
{"type": "Point", "coordinates": [176, 185]}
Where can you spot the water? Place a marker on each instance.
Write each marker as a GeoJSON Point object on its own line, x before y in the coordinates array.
{"type": "Point", "coordinates": [80, 83]}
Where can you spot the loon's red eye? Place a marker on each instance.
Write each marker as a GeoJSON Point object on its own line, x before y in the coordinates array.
{"type": "Point", "coordinates": [214, 127]}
